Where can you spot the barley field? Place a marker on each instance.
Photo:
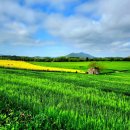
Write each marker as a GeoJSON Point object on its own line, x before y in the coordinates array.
{"type": "Point", "coordinates": [39, 100]}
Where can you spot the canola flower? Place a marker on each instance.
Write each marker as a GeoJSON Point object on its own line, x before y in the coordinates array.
{"type": "Point", "coordinates": [29, 66]}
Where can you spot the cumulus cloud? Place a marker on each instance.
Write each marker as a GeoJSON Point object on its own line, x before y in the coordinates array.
{"type": "Point", "coordinates": [19, 24]}
{"type": "Point", "coordinates": [15, 33]}
{"type": "Point", "coordinates": [14, 12]}
{"type": "Point", "coordinates": [91, 26]}
{"type": "Point", "coordinates": [83, 30]}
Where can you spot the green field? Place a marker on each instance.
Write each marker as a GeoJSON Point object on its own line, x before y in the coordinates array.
{"type": "Point", "coordinates": [108, 66]}
{"type": "Point", "coordinates": [66, 101]}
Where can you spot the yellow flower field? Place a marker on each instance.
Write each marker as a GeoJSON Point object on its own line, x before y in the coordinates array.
{"type": "Point", "coordinates": [28, 66]}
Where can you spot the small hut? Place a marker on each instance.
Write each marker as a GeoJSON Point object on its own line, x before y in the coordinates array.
{"type": "Point", "coordinates": [93, 70]}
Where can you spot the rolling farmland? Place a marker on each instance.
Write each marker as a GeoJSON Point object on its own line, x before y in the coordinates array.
{"type": "Point", "coordinates": [68, 101]}
{"type": "Point", "coordinates": [64, 64]}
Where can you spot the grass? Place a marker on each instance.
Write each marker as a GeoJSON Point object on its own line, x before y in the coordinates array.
{"type": "Point", "coordinates": [69, 101]}
{"type": "Point", "coordinates": [83, 66]}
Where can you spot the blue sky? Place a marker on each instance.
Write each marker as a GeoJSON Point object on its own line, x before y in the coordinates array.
{"type": "Point", "coordinates": [58, 27]}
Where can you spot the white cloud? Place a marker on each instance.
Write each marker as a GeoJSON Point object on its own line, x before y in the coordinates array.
{"type": "Point", "coordinates": [81, 30]}
{"type": "Point", "coordinates": [19, 34]}
{"type": "Point", "coordinates": [12, 10]}
{"type": "Point", "coordinates": [99, 25]}
{"type": "Point", "coordinates": [87, 7]}
{"type": "Point", "coordinates": [19, 24]}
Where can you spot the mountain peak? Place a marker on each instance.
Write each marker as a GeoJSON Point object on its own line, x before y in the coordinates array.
{"type": "Point", "coordinates": [80, 55]}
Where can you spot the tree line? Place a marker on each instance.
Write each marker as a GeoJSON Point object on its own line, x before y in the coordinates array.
{"type": "Point", "coordinates": [62, 59]}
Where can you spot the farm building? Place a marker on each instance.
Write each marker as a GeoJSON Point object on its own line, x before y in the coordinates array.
{"type": "Point", "coordinates": [94, 70]}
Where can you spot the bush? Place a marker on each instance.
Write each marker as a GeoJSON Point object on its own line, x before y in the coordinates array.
{"type": "Point", "coordinates": [96, 65]}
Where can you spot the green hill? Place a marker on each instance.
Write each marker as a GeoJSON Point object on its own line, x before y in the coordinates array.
{"type": "Point", "coordinates": [80, 55]}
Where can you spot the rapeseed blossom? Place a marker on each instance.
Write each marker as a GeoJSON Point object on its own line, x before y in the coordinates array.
{"type": "Point", "coordinates": [29, 66]}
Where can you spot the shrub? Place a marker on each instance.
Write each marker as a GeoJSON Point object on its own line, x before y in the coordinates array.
{"type": "Point", "coordinates": [96, 65]}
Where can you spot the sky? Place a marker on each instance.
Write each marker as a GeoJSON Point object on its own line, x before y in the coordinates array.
{"type": "Point", "coordinates": [58, 27]}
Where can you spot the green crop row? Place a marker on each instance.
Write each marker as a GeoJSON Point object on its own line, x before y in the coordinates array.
{"type": "Point", "coordinates": [41, 100]}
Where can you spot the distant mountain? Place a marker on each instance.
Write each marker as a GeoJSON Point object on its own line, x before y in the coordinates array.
{"type": "Point", "coordinates": [80, 55]}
